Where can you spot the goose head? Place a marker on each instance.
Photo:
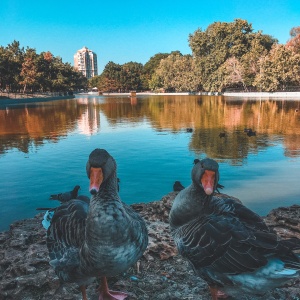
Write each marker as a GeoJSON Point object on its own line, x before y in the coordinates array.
{"type": "Point", "coordinates": [99, 167]}
{"type": "Point", "coordinates": [205, 175]}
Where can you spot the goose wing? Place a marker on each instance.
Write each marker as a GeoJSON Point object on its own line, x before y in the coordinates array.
{"type": "Point", "coordinates": [223, 244]}
{"type": "Point", "coordinates": [139, 230]}
{"type": "Point", "coordinates": [65, 236]}
{"type": "Point", "coordinates": [233, 207]}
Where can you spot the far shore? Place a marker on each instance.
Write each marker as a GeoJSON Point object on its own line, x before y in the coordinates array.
{"type": "Point", "coordinates": [17, 101]}
{"type": "Point", "coordinates": [264, 95]}
{"type": "Point", "coordinates": [235, 96]}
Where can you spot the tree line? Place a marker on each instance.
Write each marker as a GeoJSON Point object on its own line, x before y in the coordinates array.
{"type": "Point", "coordinates": [224, 55]}
{"type": "Point", "coordinates": [24, 70]}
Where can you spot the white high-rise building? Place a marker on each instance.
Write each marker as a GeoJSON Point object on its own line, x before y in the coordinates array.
{"type": "Point", "coordinates": [85, 61]}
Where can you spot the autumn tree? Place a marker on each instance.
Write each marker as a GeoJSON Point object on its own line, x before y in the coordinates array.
{"type": "Point", "coordinates": [294, 42]}
{"type": "Point", "coordinates": [37, 72]}
{"type": "Point", "coordinates": [29, 70]}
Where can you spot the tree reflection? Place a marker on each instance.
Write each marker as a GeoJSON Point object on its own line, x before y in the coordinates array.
{"type": "Point", "coordinates": [208, 116]}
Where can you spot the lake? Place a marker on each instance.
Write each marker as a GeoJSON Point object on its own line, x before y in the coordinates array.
{"type": "Point", "coordinates": [154, 139]}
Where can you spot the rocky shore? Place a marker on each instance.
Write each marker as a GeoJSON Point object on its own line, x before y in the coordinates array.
{"type": "Point", "coordinates": [162, 274]}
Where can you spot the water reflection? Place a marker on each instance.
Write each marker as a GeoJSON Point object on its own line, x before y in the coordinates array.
{"type": "Point", "coordinates": [44, 147]}
{"type": "Point", "coordinates": [273, 121]}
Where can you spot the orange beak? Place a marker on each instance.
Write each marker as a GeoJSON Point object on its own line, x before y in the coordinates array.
{"type": "Point", "coordinates": [96, 178]}
{"type": "Point", "coordinates": [208, 181]}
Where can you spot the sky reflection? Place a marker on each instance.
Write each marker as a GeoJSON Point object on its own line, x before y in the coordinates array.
{"type": "Point", "coordinates": [44, 148]}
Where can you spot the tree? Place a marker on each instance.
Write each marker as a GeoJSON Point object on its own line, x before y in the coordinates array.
{"type": "Point", "coordinates": [230, 74]}
{"type": "Point", "coordinates": [294, 42]}
{"type": "Point", "coordinates": [121, 78]}
{"type": "Point", "coordinates": [109, 80]}
{"type": "Point", "coordinates": [260, 46]}
{"type": "Point", "coordinates": [219, 42]}
{"type": "Point", "coordinates": [93, 82]}
{"type": "Point", "coordinates": [177, 73]}
{"type": "Point", "coordinates": [131, 76]}
{"type": "Point", "coordinates": [278, 70]}
{"type": "Point", "coordinates": [29, 69]}
{"type": "Point", "coordinates": [13, 63]}
{"type": "Point", "coordinates": [152, 64]}
{"type": "Point", "coordinates": [150, 68]}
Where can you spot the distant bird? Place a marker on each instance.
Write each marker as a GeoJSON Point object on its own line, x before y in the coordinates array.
{"type": "Point", "coordinates": [251, 133]}
{"type": "Point", "coordinates": [189, 130]}
{"type": "Point", "coordinates": [66, 196]}
{"type": "Point", "coordinates": [103, 238]}
{"type": "Point", "coordinates": [177, 186]}
{"type": "Point", "coordinates": [222, 134]}
{"type": "Point", "coordinates": [228, 245]}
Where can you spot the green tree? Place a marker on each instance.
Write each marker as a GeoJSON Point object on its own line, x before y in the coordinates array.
{"type": "Point", "coordinates": [109, 80]}
{"type": "Point", "coordinates": [14, 56]}
{"type": "Point", "coordinates": [150, 67]}
{"type": "Point", "coordinates": [260, 46]}
{"type": "Point", "coordinates": [177, 73]}
{"type": "Point", "coordinates": [278, 70]}
{"type": "Point", "coordinates": [93, 82]}
{"type": "Point", "coordinates": [131, 76]}
{"type": "Point", "coordinates": [219, 42]}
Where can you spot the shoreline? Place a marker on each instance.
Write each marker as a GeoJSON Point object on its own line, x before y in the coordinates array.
{"type": "Point", "coordinates": [264, 95]}
{"type": "Point", "coordinates": [229, 96]}
{"type": "Point", "coordinates": [25, 272]}
{"type": "Point", "coordinates": [18, 101]}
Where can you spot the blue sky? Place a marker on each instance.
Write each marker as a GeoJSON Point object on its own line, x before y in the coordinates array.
{"type": "Point", "coordinates": [123, 31]}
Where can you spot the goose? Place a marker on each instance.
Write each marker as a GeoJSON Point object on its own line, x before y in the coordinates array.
{"type": "Point", "coordinates": [100, 239]}
{"type": "Point", "coordinates": [227, 244]}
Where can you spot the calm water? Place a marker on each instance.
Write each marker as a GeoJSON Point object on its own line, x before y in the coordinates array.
{"type": "Point", "coordinates": [44, 148]}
